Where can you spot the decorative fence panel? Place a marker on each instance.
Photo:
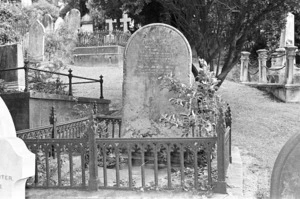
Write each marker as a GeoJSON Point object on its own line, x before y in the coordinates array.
{"type": "Point", "coordinates": [60, 163]}
{"type": "Point", "coordinates": [156, 163]}
{"type": "Point", "coordinates": [98, 38]}
{"type": "Point", "coordinates": [84, 154]}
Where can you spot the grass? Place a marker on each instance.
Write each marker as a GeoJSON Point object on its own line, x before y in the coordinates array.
{"type": "Point", "coordinates": [261, 126]}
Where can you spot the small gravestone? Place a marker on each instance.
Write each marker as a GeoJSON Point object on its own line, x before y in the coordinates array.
{"type": "Point", "coordinates": [48, 23]}
{"type": "Point", "coordinates": [109, 39]}
{"type": "Point", "coordinates": [17, 163]}
{"type": "Point", "coordinates": [73, 20]}
{"type": "Point", "coordinates": [87, 23]}
{"type": "Point", "coordinates": [151, 52]}
{"type": "Point", "coordinates": [285, 180]}
{"type": "Point", "coordinates": [26, 3]}
{"type": "Point", "coordinates": [11, 56]}
{"type": "Point", "coordinates": [36, 41]}
{"type": "Point", "coordinates": [59, 23]}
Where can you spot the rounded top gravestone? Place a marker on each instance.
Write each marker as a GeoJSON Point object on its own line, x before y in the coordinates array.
{"type": "Point", "coordinates": [151, 52]}
{"type": "Point", "coordinates": [285, 180]}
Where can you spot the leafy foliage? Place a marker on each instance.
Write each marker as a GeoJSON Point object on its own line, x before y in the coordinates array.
{"type": "Point", "coordinates": [11, 17]}
{"type": "Point", "coordinates": [199, 102]}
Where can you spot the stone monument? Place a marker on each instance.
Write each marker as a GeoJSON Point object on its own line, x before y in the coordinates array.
{"type": "Point", "coordinates": [152, 51]}
{"type": "Point", "coordinates": [48, 23]}
{"type": "Point", "coordinates": [73, 20]}
{"type": "Point", "coordinates": [36, 41]}
{"type": "Point", "coordinates": [11, 56]}
{"type": "Point", "coordinates": [285, 180]}
{"type": "Point", "coordinates": [17, 163]}
{"type": "Point", "coordinates": [59, 23]}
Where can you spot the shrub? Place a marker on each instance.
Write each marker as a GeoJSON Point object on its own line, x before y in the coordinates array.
{"type": "Point", "coordinates": [197, 106]}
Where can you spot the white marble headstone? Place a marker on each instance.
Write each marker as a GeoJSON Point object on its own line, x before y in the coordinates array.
{"type": "Point", "coordinates": [36, 41]}
{"type": "Point", "coordinates": [17, 163]}
{"type": "Point", "coordinates": [59, 23]}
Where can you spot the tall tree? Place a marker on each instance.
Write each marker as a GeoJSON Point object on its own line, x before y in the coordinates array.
{"type": "Point", "coordinates": [217, 26]}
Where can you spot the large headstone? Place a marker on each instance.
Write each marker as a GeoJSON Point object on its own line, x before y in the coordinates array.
{"type": "Point", "coordinates": [11, 56]}
{"type": "Point", "coordinates": [152, 51]}
{"type": "Point", "coordinates": [285, 180]}
{"type": "Point", "coordinates": [87, 23]}
{"type": "Point", "coordinates": [48, 23]}
{"type": "Point", "coordinates": [288, 33]}
{"type": "Point", "coordinates": [73, 20]}
{"type": "Point", "coordinates": [36, 41]}
{"type": "Point", "coordinates": [17, 163]}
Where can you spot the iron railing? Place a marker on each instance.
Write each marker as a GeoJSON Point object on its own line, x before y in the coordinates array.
{"type": "Point", "coordinates": [97, 38]}
{"type": "Point", "coordinates": [70, 76]}
{"type": "Point", "coordinates": [127, 163]}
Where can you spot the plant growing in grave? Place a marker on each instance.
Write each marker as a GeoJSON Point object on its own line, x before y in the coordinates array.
{"type": "Point", "coordinates": [197, 106]}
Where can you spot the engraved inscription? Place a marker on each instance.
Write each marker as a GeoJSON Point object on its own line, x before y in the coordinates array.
{"type": "Point", "coordinates": [156, 55]}
{"type": "Point", "coordinates": [6, 177]}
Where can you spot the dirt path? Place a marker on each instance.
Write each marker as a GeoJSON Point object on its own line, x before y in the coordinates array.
{"type": "Point", "coordinates": [261, 126]}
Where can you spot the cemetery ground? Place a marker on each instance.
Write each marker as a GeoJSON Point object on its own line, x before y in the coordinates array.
{"type": "Point", "coordinates": [261, 124]}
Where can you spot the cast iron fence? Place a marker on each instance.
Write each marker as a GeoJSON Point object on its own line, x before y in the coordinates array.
{"type": "Point", "coordinates": [84, 158]}
{"type": "Point", "coordinates": [102, 37]}
{"type": "Point", "coordinates": [70, 76]}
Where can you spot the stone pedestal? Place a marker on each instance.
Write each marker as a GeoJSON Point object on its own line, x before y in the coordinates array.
{"type": "Point", "coordinates": [244, 66]}
{"type": "Point", "coordinates": [262, 64]}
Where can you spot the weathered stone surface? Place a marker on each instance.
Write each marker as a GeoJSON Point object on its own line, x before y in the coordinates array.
{"type": "Point", "coordinates": [48, 23]}
{"type": "Point", "coordinates": [152, 51]}
{"type": "Point", "coordinates": [11, 56]}
{"type": "Point", "coordinates": [16, 162]}
{"type": "Point", "coordinates": [36, 41]}
{"type": "Point", "coordinates": [59, 23]}
{"type": "Point", "coordinates": [73, 20]}
{"type": "Point", "coordinates": [285, 180]}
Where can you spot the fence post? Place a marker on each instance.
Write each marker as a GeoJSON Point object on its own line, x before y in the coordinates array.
{"type": "Point", "coordinates": [53, 121]}
{"type": "Point", "coordinates": [26, 62]}
{"type": "Point", "coordinates": [221, 184]}
{"type": "Point", "coordinates": [262, 64]}
{"type": "Point", "coordinates": [101, 86]}
{"type": "Point", "coordinates": [93, 166]}
{"type": "Point", "coordinates": [95, 108]}
{"type": "Point", "coordinates": [244, 66]}
{"type": "Point", "coordinates": [228, 121]}
{"type": "Point", "coordinates": [70, 82]}
{"type": "Point", "coordinates": [290, 58]}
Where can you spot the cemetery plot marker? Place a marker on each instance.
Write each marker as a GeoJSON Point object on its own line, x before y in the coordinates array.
{"type": "Point", "coordinates": [152, 51]}
{"type": "Point", "coordinates": [36, 41]}
{"type": "Point", "coordinates": [16, 162]}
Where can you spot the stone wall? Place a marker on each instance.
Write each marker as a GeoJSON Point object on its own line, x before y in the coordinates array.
{"type": "Point", "coordinates": [30, 110]}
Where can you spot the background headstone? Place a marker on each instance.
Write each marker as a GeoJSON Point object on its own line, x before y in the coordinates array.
{"type": "Point", "coordinates": [73, 20]}
{"type": "Point", "coordinates": [11, 56]}
{"type": "Point", "coordinates": [59, 23]}
{"type": "Point", "coordinates": [285, 180]}
{"type": "Point", "coordinates": [26, 3]}
{"type": "Point", "coordinates": [36, 41]}
{"type": "Point", "coordinates": [288, 33]}
{"type": "Point", "coordinates": [152, 51]}
{"type": "Point", "coordinates": [87, 23]}
{"type": "Point", "coordinates": [17, 163]}
{"type": "Point", "coordinates": [48, 23]}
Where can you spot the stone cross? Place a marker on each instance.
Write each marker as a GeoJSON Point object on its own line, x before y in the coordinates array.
{"type": "Point", "coordinates": [17, 163]}
{"type": "Point", "coordinates": [36, 41]}
{"type": "Point", "coordinates": [110, 24]}
{"type": "Point", "coordinates": [125, 20]}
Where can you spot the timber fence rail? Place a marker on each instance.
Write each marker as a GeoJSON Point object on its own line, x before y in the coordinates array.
{"type": "Point", "coordinates": [70, 76]}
